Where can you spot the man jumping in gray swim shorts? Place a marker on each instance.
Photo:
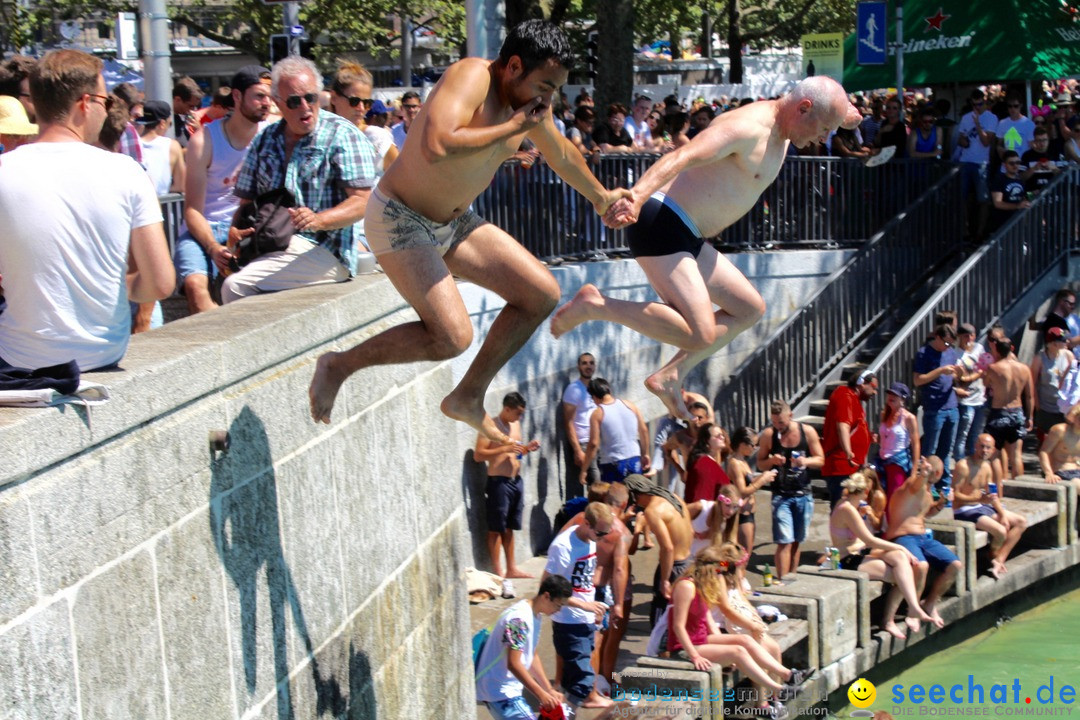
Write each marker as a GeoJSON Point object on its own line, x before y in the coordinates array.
{"type": "Point", "coordinates": [419, 226]}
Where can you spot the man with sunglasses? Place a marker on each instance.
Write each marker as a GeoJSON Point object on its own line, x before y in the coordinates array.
{"type": "Point", "coordinates": [71, 215]}
{"type": "Point", "coordinates": [1015, 131]}
{"type": "Point", "coordinates": [410, 108]}
{"type": "Point", "coordinates": [328, 165]}
{"type": "Point", "coordinates": [423, 233]}
{"type": "Point", "coordinates": [976, 135]}
{"type": "Point", "coordinates": [572, 555]}
{"type": "Point", "coordinates": [936, 367]}
{"type": "Point", "coordinates": [1007, 190]}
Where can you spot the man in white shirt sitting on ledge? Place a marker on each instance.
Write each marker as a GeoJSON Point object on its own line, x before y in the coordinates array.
{"type": "Point", "coordinates": [72, 216]}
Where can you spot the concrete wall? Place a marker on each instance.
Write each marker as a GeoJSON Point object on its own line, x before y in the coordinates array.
{"type": "Point", "coordinates": [311, 570]}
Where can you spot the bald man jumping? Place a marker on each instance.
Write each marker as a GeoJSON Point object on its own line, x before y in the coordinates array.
{"type": "Point", "coordinates": [691, 194]}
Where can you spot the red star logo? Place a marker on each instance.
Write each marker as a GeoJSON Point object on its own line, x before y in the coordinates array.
{"type": "Point", "coordinates": [935, 21]}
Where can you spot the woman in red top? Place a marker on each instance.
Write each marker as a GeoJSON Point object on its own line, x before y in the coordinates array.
{"type": "Point", "coordinates": [705, 474]}
{"type": "Point", "coordinates": [693, 634]}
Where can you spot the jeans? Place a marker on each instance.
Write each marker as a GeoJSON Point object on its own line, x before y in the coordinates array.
{"type": "Point", "coordinates": [939, 434]}
{"type": "Point", "coordinates": [791, 518]}
{"type": "Point", "coordinates": [574, 644]}
{"type": "Point", "coordinates": [973, 177]}
{"type": "Point", "coordinates": [972, 420]}
{"type": "Point", "coordinates": [511, 709]}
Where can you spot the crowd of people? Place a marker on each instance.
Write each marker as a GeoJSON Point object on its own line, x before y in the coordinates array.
{"type": "Point", "coordinates": [278, 174]}
{"type": "Point", "coordinates": [693, 487]}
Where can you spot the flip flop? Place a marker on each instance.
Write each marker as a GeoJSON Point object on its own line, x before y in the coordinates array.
{"type": "Point", "coordinates": [882, 157]}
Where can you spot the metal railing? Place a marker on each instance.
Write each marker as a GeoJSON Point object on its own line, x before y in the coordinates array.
{"type": "Point", "coordinates": [996, 275]}
{"type": "Point", "coordinates": [813, 201]}
{"type": "Point", "coordinates": [172, 207]}
{"type": "Point", "coordinates": [814, 339]}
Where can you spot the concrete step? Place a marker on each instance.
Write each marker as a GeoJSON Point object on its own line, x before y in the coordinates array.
{"type": "Point", "coordinates": [851, 369]}
{"type": "Point", "coordinates": [818, 408]}
{"type": "Point", "coordinates": [815, 421]}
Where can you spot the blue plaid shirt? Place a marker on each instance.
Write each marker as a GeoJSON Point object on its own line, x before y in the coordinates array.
{"type": "Point", "coordinates": [334, 156]}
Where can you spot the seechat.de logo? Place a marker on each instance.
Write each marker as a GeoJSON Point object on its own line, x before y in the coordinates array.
{"type": "Point", "coordinates": [862, 694]}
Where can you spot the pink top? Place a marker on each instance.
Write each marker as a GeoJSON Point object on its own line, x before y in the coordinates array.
{"type": "Point", "coordinates": [697, 625]}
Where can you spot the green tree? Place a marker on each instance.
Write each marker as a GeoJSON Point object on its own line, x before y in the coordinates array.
{"type": "Point", "coordinates": [337, 25]}
{"type": "Point", "coordinates": [772, 23]}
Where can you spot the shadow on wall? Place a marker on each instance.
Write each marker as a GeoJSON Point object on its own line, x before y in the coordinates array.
{"type": "Point", "coordinates": [244, 520]}
{"type": "Point", "coordinates": [473, 486]}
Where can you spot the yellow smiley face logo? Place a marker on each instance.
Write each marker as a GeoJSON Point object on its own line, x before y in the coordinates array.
{"type": "Point", "coordinates": [862, 693]}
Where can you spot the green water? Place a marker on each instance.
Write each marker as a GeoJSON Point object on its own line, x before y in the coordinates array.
{"type": "Point", "coordinates": [1035, 646]}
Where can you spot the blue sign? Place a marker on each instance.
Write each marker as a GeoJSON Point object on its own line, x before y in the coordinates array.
{"type": "Point", "coordinates": [870, 33]}
{"type": "Point", "coordinates": [296, 31]}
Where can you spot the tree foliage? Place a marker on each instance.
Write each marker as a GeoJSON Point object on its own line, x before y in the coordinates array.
{"type": "Point", "coordinates": [338, 25]}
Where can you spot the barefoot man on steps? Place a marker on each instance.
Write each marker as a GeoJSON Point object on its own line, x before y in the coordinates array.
{"type": "Point", "coordinates": [691, 194]}
{"type": "Point", "coordinates": [419, 225]}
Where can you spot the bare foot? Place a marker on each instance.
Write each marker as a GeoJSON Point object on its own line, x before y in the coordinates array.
{"type": "Point", "coordinates": [915, 623]}
{"type": "Point", "coordinates": [471, 412]}
{"type": "Point", "coordinates": [324, 387]}
{"type": "Point", "coordinates": [935, 617]}
{"type": "Point", "coordinates": [596, 700]}
{"type": "Point", "coordinates": [669, 390]}
{"type": "Point", "coordinates": [893, 629]}
{"type": "Point", "coordinates": [577, 311]}
{"type": "Point", "coordinates": [517, 573]}
{"type": "Point", "coordinates": [997, 569]}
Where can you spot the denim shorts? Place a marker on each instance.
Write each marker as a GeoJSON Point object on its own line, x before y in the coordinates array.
{"type": "Point", "coordinates": [927, 549]}
{"type": "Point", "coordinates": [190, 258]}
{"type": "Point", "coordinates": [511, 709]}
{"type": "Point", "coordinates": [791, 517]}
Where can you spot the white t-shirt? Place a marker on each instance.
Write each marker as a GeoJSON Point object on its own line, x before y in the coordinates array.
{"type": "Point", "coordinates": [66, 212]}
{"type": "Point", "coordinates": [1016, 134]}
{"type": "Point", "coordinates": [970, 362]}
{"type": "Point", "coordinates": [577, 395]}
{"type": "Point", "coordinates": [574, 559]}
{"type": "Point", "coordinates": [976, 152]}
{"type": "Point", "coordinates": [639, 134]}
{"type": "Point", "coordinates": [381, 138]}
{"type": "Point", "coordinates": [516, 629]}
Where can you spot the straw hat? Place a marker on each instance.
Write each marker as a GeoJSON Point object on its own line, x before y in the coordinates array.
{"type": "Point", "coordinates": [13, 120]}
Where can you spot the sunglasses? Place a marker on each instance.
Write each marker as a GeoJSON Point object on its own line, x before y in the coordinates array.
{"type": "Point", "coordinates": [1014, 104]}
{"type": "Point", "coordinates": [354, 101]}
{"type": "Point", "coordinates": [601, 533]}
{"type": "Point", "coordinates": [293, 101]}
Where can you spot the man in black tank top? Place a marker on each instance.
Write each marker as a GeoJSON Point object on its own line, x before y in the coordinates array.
{"type": "Point", "coordinates": [793, 449]}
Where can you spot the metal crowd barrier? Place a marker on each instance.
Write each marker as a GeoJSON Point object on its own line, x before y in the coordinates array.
{"type": "Point", "coordinates": [997, 274]}
{"type": "Point", "coordinates": [172, 207]}
{"type": "Point", "coordinates": [814, 339]}
{"type": "Point", "coordinates": [812, 202]}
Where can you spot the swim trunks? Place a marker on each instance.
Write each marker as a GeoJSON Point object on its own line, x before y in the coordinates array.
{"type": "Point", "coordinates": [1006, 425]}
{"type": "Point", "coordinates": [391, 225]}
{"type": "Point", "coordinates": [505, 498]}
{"type": "Point", "coordinates": [1069, 474]}
{"type": "Point", "coordinates": [663, 228]}
{"type": "Point", "coordinates": [971, 513]}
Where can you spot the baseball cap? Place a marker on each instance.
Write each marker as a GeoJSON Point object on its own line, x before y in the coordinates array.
{"type": "Point", "coordinates": [249, 75]}
{"type": "Point", "coordinates": [900, 390]}
{"type": "Point", "coordinates": [154, 111]}
{"type": "Point", "coordinates": [966, 329]}
{"type": "Point", "coordinates": [1054, 334]}
{"type": "Point", "coordinates": [13, 120]}
{"type": "Point", "coordinates": [378, 107]}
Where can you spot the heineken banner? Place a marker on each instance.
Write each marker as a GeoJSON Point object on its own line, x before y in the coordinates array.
{"type": "Point", "coordinates": [971, 42]}
{"type": "Point", "coordinates": [823, 54]}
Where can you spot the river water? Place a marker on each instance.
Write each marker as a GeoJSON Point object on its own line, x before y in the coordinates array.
{"type": "Point", "coordinates": [1027, 666]}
